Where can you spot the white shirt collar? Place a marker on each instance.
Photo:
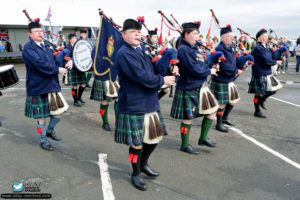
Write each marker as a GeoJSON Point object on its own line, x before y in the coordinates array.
{"type": "Point", "coordinates": [39, 43]}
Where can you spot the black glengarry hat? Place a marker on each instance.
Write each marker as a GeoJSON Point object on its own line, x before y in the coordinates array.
{"type": "Point", "coordinates": [131, 24]}
{"type": "Point", "coordinates": [191, 26]}
{"type": "Point", "coordinates": [153, 32]}
{"type": "Point", "coordinates": [259, 33]}
{"type": "Point", "coordinates": [226, 29]}
{"type": "Point", "coordinates": [72, 35]}
{"type": "Point", "coordinates": [34, 24]}
{"type": "Point", "coordinates": [84, 30]}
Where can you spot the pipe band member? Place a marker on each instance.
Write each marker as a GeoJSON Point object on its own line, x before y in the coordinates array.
{"type": "Point", "coordinates": [75, 77]}
{"type": "Point", "coordinates": [42, 80]}
{"type": "Point", "coordinates": [104, 90]}
{"type": "Point", "coordinates": [138, 123]}
{"type": "Point", "coordinates": [222, 86]}
{"type": "Point", "coordinates": [193, 74]}
{"type": "Point", "coordinates": [263, 61]}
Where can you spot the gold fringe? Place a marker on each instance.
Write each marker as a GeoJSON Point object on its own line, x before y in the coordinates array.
{"type": "Point", "coordinates": [152, 130]}
{"type": "Point", "coordinates": [205, 103]}
{"type": "Point", "coordinates": [59, 102]}
{"type": "Point", "coordinates": [53, 105]}
{"type": "Point", "coordinates": [211, 100]}
{"type": "Point", "coordinates": [158, 126]}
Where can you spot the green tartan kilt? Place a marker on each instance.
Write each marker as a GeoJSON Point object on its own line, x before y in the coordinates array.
{"type": "Point", "coordinates": [130, 129]}
{"type": "Point", "coordinates": [37, 106]}
{"type": "Point", "coordinates": [76, 77]}
{"type": "Point", "coordinates": [220, 91]}
{"type": "Point", "coordinates": [98, 92]}
{"type": "Point", "coordinates": [185, 104]}
{"type": "Point", "coordinates": [258, 85]}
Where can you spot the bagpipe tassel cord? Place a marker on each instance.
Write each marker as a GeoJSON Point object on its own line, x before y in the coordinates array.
{"type": "Point", "coordinates": [161, 29]}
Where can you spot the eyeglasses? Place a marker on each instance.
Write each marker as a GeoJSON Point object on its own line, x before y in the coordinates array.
{"type": "Point", "coordinates": [37, 31]}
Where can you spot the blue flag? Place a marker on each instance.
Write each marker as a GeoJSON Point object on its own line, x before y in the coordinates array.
{"type": "Point", "coordinates": [108, 43]}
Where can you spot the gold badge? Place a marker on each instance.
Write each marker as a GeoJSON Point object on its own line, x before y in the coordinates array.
{"type": "Point", "coordinates": [110, 46]}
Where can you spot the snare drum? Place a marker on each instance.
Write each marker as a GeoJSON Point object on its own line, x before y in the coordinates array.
{"type": "Point", "coordinates": [8, 77]}
{"type": "Point", "coordinates": [82, 55]}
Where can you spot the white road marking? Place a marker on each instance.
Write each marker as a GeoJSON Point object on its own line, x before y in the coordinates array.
{"type": "Point", "coordinates": [261, 145]}
{"type": "Point", "coordinates": [105, 179]}
{"type": "Point", "coordinates": [2, 134]}
{"type": "Point", "coordinates": [293, 104]}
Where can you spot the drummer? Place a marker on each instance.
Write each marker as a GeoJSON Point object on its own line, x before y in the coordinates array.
{"type": "Point", "coordinates": [76, 77]}
{"type": "Point", "coordinates": [41, 79]}
{"type": "Point", "coordinates": [83, 36]}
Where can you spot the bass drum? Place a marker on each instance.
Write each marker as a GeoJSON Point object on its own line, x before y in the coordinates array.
{"type": "Point", "coordinates": [82, 55]}
{"type": "Point", "coordinates": [8, 77]}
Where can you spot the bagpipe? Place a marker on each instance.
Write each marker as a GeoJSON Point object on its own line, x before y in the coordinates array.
{"type": "Point", "coordinates": [277, 54]}
{"type": "Point", "coordinates": [208, 104]}
{"type": "Point", "coordinates": [57, 103]}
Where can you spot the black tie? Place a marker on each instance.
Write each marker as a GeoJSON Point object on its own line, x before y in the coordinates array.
{"type": "Point", "coordinates": [139, 50]}
{"type": "Point", "coordinates": [43, 46]}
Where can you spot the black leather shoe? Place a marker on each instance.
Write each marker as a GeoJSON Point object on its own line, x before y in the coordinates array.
{"type": "Point", "coordinates": [149, 172]}
{"type": "Point", "coordinates": [53, 136]}
{"type": "Point", "coordinates": [221, 127]}
{"type": "Point", "coordinates": [259, 114]}
{"type": "Point", "coordinates": [81, 101]}
{"type": "Point", "coordinates": [207, 142]}
{"type": "Point", "coordinates": [228, 122]}
{"type": "Point", "coordinates": [138, 183]}
{"type": "Point", "coordinates": [107, 127]}
{"type": "Point", "coordinates": [189, 149]}
{"type": "Point", "coordinates": [262, 104]}
{"type": "Point", "coordinates": [77, 104]}
{"type": "Point", "coordinates": [46, 145]}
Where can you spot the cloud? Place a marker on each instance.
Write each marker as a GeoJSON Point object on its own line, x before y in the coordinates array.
{"type": "Point", "coordinates": [282, 16]}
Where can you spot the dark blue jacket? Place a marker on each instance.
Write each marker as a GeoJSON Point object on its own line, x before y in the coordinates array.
{"type": "Point", "coordinates": [228, 68]}
{"type": "Point", "coordinates": [139, 82]}
{"type": "Point", "coordinates": [262, 61]}
{"type": "Point", "coordinates": [193, 72]}
{"type": "Point", "coordinates": [41, 70]}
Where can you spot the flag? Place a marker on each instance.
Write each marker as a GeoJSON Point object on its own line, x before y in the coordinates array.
{"type": "Point", "coordinates": [109, 42]}
{"type": "Point", "coordinates": [49, 15]}
{"type": "Point", "coordinates": [4, 35]}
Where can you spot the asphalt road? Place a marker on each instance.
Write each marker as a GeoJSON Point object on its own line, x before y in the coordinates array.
{"type": "Point", "coordinates": [236, 169]}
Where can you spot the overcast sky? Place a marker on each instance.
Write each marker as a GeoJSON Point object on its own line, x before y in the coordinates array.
{"type": "Point", "coordinates": [251, 16]}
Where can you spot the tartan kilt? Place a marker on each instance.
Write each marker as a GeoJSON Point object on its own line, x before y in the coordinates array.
{"type": "Point", "coordinates": [37, 106]}
{"type": "Point", "coordinates": [185, 104]}
{"type": "Point", "coordinates": [220, 91]}
{"type": "Point", "coordinates": [130, 129]}
{"type": "Point", "coordinates": [258, 85]}
{"type": "Point", "coordinates": [76, 77]}
{"type": "Point", "coordinates": [98, 90]}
